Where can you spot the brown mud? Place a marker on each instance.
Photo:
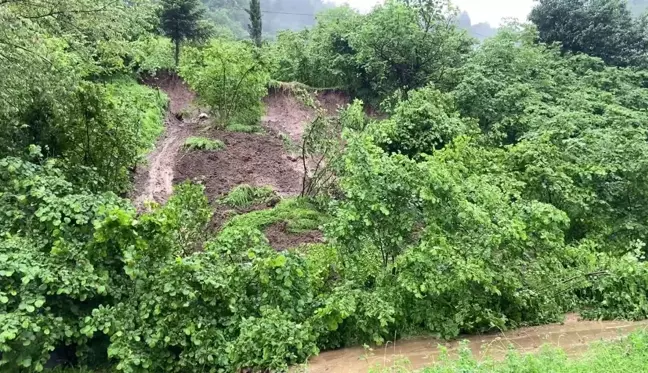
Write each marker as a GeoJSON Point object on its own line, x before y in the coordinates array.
{"type": "Point", "coordinates": [154, 181]}
{"type": "Point", "coordinates": [258, 159]}
{"type": "Point", "coordinates": [248, 158]}
{"type": "Point", "coordinates": [573, 336]}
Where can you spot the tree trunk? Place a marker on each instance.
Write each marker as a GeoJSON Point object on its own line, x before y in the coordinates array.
{"type": "Point", "coordinates": [177, 52]}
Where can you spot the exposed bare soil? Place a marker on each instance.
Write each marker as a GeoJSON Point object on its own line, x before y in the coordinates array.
{"type": "Point", "coordinates": [281, 238]}
{"type": "Point", "coordinates": [573, 336]}
{"type": "Point", "coordinates": [154, 181]}
{"type": "Point", "coordinates": [255, 159]}
{"type": "Point", "coordinates": [286, 114]}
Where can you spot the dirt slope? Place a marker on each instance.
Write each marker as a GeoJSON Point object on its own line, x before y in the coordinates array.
{"type": "Point", "coordinates": [154, 181]}
{"type": "Point", "coordinates": [248, 158]}
{"type": "Point", "coordinates": [572, 336]}
{"type": "Point", "coordinates": [257, 158]}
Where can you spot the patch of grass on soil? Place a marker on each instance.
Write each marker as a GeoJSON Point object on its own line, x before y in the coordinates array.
{"type": "Point", "coordinates": [203, 143]}
{"type": "Point", "coordinates": [245, 195]}
{"type": "Point", "coordinates": [627, 355]}
{"type": "Point", "coordinates": [299, 215]}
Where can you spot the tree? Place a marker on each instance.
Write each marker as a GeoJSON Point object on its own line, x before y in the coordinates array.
{"type": "Point", "coordinates": [229, 78]}
{"type": "Point", "coordinates": [181, 20]}
{"type": "Point", "coordinates": [601, 28]}
{"type": "Point", "coordinates": [255, 26]}
{"type": "Point", "coordinates": [403, 46]}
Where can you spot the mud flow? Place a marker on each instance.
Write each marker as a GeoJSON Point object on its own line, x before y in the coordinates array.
{"type": "Point", "coordinates": [154, 180]}
{"type": "Point", "coordinates": [573, 336]}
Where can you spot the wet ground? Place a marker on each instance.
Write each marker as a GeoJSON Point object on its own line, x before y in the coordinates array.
{"type": "Point", "coordinates": [573, 336]}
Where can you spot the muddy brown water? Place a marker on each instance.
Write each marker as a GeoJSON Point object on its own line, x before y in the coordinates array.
{"type": "Point", "coordinates": [573, 336]}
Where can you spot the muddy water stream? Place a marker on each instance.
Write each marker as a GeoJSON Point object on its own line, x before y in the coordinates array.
{"type": "Point", "coordinates": [573, 336]}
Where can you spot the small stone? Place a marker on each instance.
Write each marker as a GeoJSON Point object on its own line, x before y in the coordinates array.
{"type": "Point", "coordinates": [292, 158]}
{"type": "Point", "coordinates": [203, 116]}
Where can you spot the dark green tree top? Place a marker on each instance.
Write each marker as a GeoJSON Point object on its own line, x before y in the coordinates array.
{"type": "Point", "coordinates": [181, 20]}
{"type": "Point", "coordinates": [601, 28]}
{"type": "Point", "coordinates": [255, 26]}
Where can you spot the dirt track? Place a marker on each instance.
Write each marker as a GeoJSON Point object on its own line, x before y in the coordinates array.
{"type": "Point", "coordinates": [154, 182]}
{"type": "Point", "coordinates": [572, 336]}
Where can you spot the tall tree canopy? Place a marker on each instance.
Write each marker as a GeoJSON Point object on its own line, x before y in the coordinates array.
{"type": "Point", "coordinates": [181, 20]}
{"type": "Point", "coordinates": [601, 28]}
{"type": "Point", "coordinates": [255, 26]}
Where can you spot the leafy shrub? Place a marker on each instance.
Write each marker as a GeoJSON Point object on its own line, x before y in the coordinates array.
{"type": "Point", "coordinates": [245, 195]}
{"type": "Point", "coordinates": [211, 309]}
{"type": "Point", "coordinates": [618, 291]}
{"type": "Point", "coordinates": [229, 78]}
{"type": "Point", "coordinates": [54, 268]}
{"type": "Point", "coordinates": [450, 230]}
{"type": "Point", "coordinates": [103, 132]}
{"type": "Point", "coordinates": [396, 46]}
{"type": "Point", "coordinates": [124, 120]}
{"type": "Point", "coordinates": [203, 143]}
{"type": "Point", "coordinates": [65, 251]}
{"type": "Point", "coordinates": [272, 341]}
{"type": "Point", "coordinates": [153, 54]}
{"type": "Point", "coordinates": [426, 121]}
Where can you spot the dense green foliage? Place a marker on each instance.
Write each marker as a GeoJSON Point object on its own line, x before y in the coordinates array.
{"type": "Point", "coordinates": [64, 94]}
{"type": "Point", "coordinates": [229, 78]}
{"type": "Point", "coordinates": [601, 28]}
{"type": "Point", "coordinates": [504, 186]}
{"type": "Point", "coordinates": [397, 46]}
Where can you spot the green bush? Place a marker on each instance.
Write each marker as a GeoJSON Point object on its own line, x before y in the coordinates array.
{"type": "Point", "coordinates": [65, 252]}
{"type": "Point", "coordinates": [245, 195]}
{"type": "Point", "coordinates": [396, 46]}
{"type": "Point", "coordinates": [54, 266]}
{"type": "Point", "coordinates": [272, 341]}
{"type": "Point", "coordinates": [229, 77]}
{"type": "Point", "coordinates": [217, 309]}
{"type": "Point", "coordinates": [424, 122]}
{"type": "Point", "coordinates": [202, 143]}
{"type": "Point", "coordinates": [153, 54]}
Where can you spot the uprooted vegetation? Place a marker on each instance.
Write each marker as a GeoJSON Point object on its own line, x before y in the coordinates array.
{"type": "Point", "coordinates": [502, 186]}
{"type": "Point", "coordinates": [202, 143]}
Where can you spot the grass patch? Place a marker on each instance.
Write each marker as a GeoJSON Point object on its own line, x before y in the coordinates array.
{"type": "Point", "coordinates": [202, 143]}
{"type": "Point", "coordinates": [246, 195]}
{"type": "Point", "coordinates": [626, 356]}
{"type": "Point", "coordinates": [299, 214]}
{"type": "Point", "coordinates": [237, 127]}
